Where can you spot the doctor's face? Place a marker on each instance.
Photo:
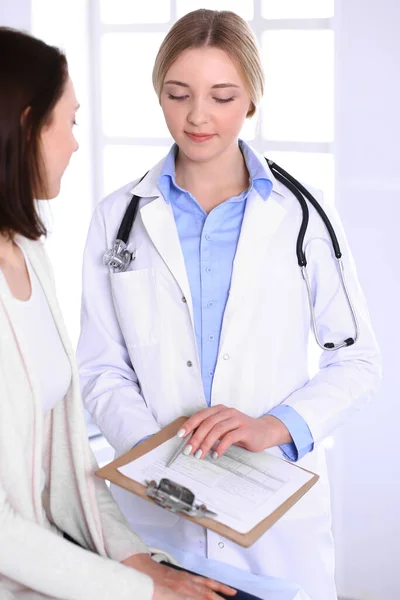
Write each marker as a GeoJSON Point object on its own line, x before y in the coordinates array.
{"type": "Point", "coordinates": [57, 141]}
{"type": "Point", "coordinates": [205, 102]}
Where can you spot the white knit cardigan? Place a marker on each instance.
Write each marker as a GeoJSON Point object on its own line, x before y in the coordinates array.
{"type": "Point", "coordinates": [36, 562]}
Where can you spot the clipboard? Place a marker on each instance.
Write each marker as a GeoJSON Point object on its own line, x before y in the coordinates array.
{"type": "Point", "coordinates": [110, 472]}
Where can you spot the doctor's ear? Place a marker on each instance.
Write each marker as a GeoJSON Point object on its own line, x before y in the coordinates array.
{"type": "Point", "coordinates": [251, 111]}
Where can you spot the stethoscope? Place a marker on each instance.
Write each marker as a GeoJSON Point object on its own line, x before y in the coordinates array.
{"type": "Point", "coordinates": [118, 258]}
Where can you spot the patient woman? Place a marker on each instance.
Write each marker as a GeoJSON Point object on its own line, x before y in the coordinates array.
{"type": "Point", "coordinates": [49, 495]}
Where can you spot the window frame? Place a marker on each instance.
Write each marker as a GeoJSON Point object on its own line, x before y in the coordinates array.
{"type": "Point", "coordinates": [259, 25]}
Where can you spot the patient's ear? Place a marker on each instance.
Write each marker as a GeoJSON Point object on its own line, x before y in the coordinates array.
{"type": "Point", "coordinates": [24, 117]}
{"type": "Point", "coordinates": [24, 114]}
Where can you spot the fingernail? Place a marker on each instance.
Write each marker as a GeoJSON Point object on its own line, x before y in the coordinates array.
{"type": "Point", "coordinates": [187, 450]}
{"type": "Point", "coordinates": [198, 453]}
{"type": "Point", "coordinates": [214, 455]}
{"type": "Point", "coordinates": [181, 433]}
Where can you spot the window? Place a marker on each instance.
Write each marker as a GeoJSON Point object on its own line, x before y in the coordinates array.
{"type": "Point", "coordinates": [294, 125]}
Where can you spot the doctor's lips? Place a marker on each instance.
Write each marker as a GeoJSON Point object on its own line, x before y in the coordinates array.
{"type": "Point", "coordinates": [199, 137]}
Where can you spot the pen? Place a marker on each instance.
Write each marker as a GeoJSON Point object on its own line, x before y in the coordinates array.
{"type": "Point", "coordinates": [179, 449]}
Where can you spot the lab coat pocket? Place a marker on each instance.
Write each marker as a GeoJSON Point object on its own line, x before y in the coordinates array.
{"type": "Point", "coordinates": [136, 305]}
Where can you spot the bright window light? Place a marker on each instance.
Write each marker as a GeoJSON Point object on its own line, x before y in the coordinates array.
{"type": "Point", "coordinates": [129, 103]}
{"type": "Point", "coordinates": [123, 12]}
{"type": "Point", "coordinates": [244, 9]}
{"type": "Point", "coordinates": [298, 104]}
{"type": "Point", "coordinates": [126, 163]}
{"type": "Point", "coordinates": [310, 168]}
{"type": "Point", "coordinates": [295, 9]}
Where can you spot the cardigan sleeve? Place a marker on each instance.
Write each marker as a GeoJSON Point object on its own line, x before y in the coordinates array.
{"type": "Point", "coordinates": [42, 561]}
{"type": "Point", "coordinates": [119, 540]}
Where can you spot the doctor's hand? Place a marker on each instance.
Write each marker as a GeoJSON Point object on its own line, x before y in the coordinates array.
{"type": "Point", "coordinates": [230, 426]}
{"type": "Point", "coordinates": [185, 584]}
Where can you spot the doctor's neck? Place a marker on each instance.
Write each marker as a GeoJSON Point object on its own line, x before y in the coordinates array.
{"type": "Point", "coordinates": [215, 180]}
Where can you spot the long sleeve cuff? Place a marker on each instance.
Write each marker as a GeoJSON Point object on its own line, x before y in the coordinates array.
{"type": "Point", "coordinates": [142, 440]}
{"type": "Point", "coordinates": [303, 441]}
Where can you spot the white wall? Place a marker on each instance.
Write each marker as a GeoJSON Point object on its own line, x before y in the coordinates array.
{"type": "Point", "coordinates": [364, 461]}
{"type": "Point", "coordinates": [15, 13]}
{"type": "Point", "coordinates": [65, 24]}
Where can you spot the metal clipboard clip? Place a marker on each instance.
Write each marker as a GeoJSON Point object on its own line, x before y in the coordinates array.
{"type": "Point", "coordinates": [176, 498]}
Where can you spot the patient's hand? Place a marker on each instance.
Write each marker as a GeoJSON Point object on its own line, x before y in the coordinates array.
{"type": "Point", "coordinates": [163, 593]}
{"type": "Point", "coordinates": [186, 584]}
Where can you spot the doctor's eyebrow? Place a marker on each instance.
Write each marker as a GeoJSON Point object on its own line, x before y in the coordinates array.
{"type": "Point", "coordinates": [216, 86]}
{"type": "Point", "coordinates": [224, 85]}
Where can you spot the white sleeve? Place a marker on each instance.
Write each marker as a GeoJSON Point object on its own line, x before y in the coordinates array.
{"type": "Point", "coordinates": [45, 562]}
{"type": "Point", "coordinates": [109, 384]}
{"type": "Point", "coordinates": [119, 540]}
{"type": "Point", "coordinates": [348, 377]}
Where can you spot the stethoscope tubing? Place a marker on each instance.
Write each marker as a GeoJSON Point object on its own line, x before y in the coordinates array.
{"type": "Point", "coordinates": [118, 257]}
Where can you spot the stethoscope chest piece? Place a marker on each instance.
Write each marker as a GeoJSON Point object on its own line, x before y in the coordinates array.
{"type": "Point", "coordinates": [118, 258]}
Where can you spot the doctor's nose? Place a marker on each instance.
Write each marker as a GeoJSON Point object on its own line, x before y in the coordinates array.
{"type": "Point", "coordinates": [197, 114]}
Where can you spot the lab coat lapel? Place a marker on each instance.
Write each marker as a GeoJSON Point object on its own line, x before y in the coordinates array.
{"type": "Point", "coordinates": [159, 222]}
{"type": "Point", "coordinates": [261, 222]}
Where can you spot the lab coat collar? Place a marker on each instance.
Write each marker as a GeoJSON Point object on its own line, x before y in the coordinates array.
{"type": "Point", "coordinates": [277, 186]}
{"type": "Point", "coordinates": [148, 188]}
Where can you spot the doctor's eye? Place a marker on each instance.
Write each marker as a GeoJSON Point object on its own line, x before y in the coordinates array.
{"type": "Point", "coordinates": [224, 100]}
{"type": "Point", "coordinates": [171, 97]}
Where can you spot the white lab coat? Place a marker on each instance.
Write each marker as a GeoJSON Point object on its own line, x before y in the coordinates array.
{"type": "Point", "coordinates": [140, 368]}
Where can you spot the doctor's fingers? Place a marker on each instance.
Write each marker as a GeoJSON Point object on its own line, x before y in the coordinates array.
{"type": "Point", "coordinates": [238, 436]}
{"type": "Point", "coordinates": [215, 434]}
{"type": "Point", "coordinates": [195, 420]}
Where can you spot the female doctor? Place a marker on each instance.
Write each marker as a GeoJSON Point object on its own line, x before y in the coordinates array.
{"type": "Point", "coordinates": [212, 316]}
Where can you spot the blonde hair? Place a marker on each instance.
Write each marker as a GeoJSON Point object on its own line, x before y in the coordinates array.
{"type": "Point", "coordinates": [218, 29]}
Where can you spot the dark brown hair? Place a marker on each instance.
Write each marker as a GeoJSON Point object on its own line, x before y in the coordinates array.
{"type": "Point", "coordinates": [32, 80]}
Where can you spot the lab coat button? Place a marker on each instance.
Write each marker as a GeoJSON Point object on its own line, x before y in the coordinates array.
{"type": "Point", "coordinates": [226, 357]}
{"type": "Point", "coordinates": [183, 299]}
{"type": "Point", "coordinates": [221, 545]}
{"type": "Point", "coordinates": [189, 363]}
